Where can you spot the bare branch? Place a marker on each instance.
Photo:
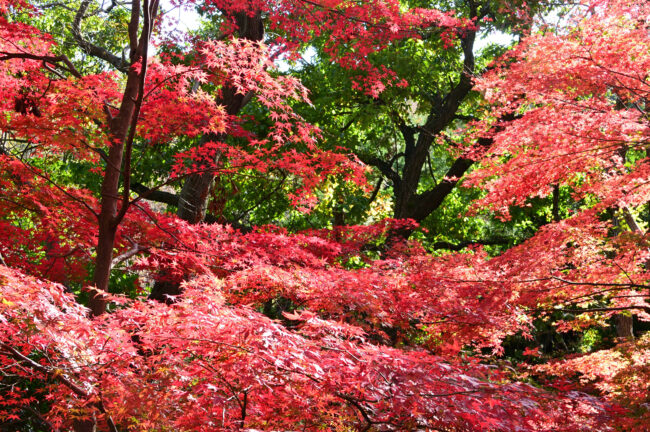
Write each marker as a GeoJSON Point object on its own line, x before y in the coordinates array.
{"type": "Point", "coordinates": [136, 249]}
{"type": "Point", "coordinates": [53, 60]}
{"type": "Point", "coordinates": [90, 48]}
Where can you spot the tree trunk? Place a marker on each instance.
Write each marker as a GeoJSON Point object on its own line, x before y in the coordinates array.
{"type": "Point", "coordinates": [84, 425]}
{"type": "Point", "coordinates": [196, 190]}
{"type": "Point", "coordinates": [624, 326]}
{"type": "Point", "coordinates": [408, 203]}
{"type": "Point", "coordinates": [121, 132]}
{"type": "Point", "coordinates": [193, 199]}
{"type": "Point", "coordinates": [624, 323]}
{"type": "Point", "coordinates": [110, 195]}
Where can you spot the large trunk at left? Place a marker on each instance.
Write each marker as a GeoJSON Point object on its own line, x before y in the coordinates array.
{"type": "Point", "coordinates": [110, 196]}
{"type": "Point", "coordinates": [121, 134]}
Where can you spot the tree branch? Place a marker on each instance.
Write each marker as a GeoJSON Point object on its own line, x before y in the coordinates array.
{"type": "Point", "coordinates": [53, 60]}
{"type": "Point", "coordinates": [155, 195]}
{"type": "Point", "coordinates": [55, 374]}
{"type": "Point", "coordinates": [90, 48]}
{"type": "Point", "coordinates": [136, 249]}
{"type": "Point", "coordinates": [384, 167]}
{"type": "Point", "coordinates": [150, 12]}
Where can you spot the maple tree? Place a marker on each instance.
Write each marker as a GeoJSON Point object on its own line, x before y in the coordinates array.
{"type": "Point", "coordinates": [241, 64]}
{"type": "Point", "coordinates": [582, 125]}
{"type": "Point", "coordinates": [396, 131]}
{"type": "Point", "coordinates": [352, 32]}
{"type": "Point", "coordinates": [323, 328]}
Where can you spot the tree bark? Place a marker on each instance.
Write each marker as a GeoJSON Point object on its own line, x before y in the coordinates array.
{"type": "Point", "coordinates": [84, 426]}
{"type": "Point", "coordinates": [624, 325]}
{"type": "Point", "coordinates": [196, 190]}
{"type": "Point", "coordinates": [121, 130]}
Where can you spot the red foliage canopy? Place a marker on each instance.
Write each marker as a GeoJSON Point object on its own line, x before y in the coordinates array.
{"type": "Point", "coordinates": [378, 347]}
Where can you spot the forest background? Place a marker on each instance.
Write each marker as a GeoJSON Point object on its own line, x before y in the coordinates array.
{"type": "Point", "coordinates": [324, 215]}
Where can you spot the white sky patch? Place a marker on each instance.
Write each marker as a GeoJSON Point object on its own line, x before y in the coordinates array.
{"type": "Point", "coordinates": [495, 37]}
{"type": "Point", "coordinates": [186, 18]}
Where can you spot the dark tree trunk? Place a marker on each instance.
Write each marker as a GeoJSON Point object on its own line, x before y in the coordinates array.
{"type": "Point", "coordinates": [624, 326]}
{"type": "Point", "coordinates": [197, 188]}
{"type": "Point", "coordinates": [84, 426]}
{"type": "Point", "coordinates": [193, 200]}
{"type": "Point", "coordinates": [624, 323]}
{"type": "Point", "coordinates": [408, 203]}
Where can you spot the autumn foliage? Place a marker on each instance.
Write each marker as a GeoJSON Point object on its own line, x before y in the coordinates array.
{"type": "Point", "coordinates": [344, 328]}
